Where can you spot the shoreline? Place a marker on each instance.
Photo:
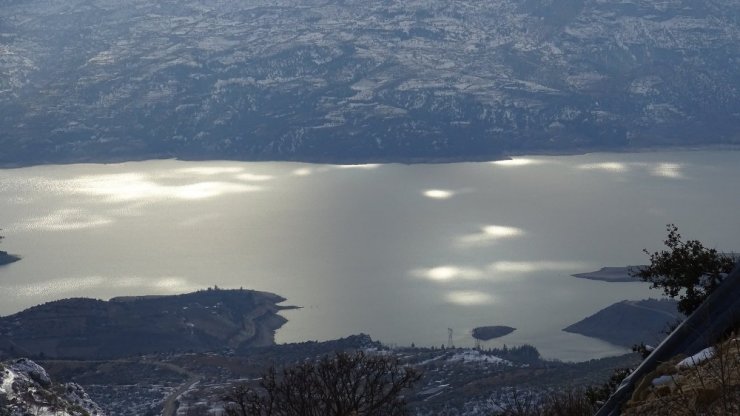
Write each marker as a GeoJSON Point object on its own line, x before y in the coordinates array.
{"type": "Point", "coordinates": [386, 160]}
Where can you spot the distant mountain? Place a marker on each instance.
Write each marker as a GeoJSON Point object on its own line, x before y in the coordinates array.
{"type": "Point", "coordinates": [629, 322]}
{"type": "Point", "coordinates": [352, 81]}
{"type": "Point", "coordinates": [211, 320]}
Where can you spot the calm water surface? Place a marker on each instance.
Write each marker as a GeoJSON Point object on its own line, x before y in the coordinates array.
{"type": "Point", "coordinates": [399, 252]}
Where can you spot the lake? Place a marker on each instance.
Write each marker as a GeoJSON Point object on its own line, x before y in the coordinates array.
{"type": "Point", "coordinates": [401, 252]}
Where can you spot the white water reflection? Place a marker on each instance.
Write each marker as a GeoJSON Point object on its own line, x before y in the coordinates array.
{"type": "Point", "coordinates": [537, 266]}
{"type": "Point", "coordinates": [439, 193]}
{"type": "Point", "coordinates": [302, 172]}
{"type": "Point", "coordinates": [614, 167]}
{"type": "Point", "coordinates": [659, 169]}
{"type": "Point", "coordinates": [210, 170]}
{"type": "Point", "coordinates": [488, 234]}
{"type": "Point", "coordinates": [447, 273]}
{"type": "Point", "coordinates": [127, 187]}
{"type": "Point", "coordinates": [667, 170]}
{"type": "Point", "coordinates": [367, 166]}
{"type": "Point", "coordinates": [450, 273]}
{"type": "Point", "coordinates": [252, 177]}
{"type": "Point", "coordinates": [58, 288]}
{"type": "Point", "coordinates": [517, 162]}
{"type": "Point", "coordinates": [65, 220]}
{"type": "Point", "coordinates": [468, 297]}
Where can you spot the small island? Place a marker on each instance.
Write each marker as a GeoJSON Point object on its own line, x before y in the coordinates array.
{"type": "Point", "coordinates": [6, 258]}
{"type": "Point", "coordinates": [486, 333]}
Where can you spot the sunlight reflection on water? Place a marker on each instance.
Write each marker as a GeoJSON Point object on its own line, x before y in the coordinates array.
{"type": "Point", "coordinates": [138, 187]}
{"type": "Point", "coordinates": [488, 234]}
{"type": "Point", "coordinates": [668, 170]}
{"type": "Point", "coordinates": [468, 297]}
{"type": "Point", "coordinates": [605, 166]}
{"type": "Point", "coordinates": [658, 169]}
{"type": "Point", "coordinates": [60, 287]}
{"type": "Point", "coordinates": [517, 162]}
{"type": "Point", "coordinates": [66, 219]}
{"type": "Point", "coordinates": [537, 266]}
{"type": "Point", "coordinates": [438, 194]}
{"type": "Point", "coordinates": [447, 273]}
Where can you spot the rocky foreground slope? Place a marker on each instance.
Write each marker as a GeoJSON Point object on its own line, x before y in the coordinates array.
{"type": "Point", "coordinates": [26, 389]}
{"type": "Point", "coordinates": [211, 320]}
{"type": "Point", "coordinates": [344, 81]}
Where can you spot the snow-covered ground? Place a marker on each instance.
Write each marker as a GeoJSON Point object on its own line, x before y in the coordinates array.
{"type": "Point", "coordinates": [27, 389]}
{"type": "Point", "coordinates": [476, 356]}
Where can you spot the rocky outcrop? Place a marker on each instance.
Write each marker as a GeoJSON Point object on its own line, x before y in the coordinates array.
{"type": "Point", "coordinates": [26, 389]}
{"type": "Point", "coordinates": [705, 383]}
{"type": "Point", "coordinates": [95, 329]}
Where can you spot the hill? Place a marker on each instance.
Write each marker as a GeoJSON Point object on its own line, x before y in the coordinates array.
{"type": "Point", "coordinates": [630, 322]}
{"type": "Point", "coordinates": [95, 329]}
{"type": "Point", "coordinates": [355, 81]}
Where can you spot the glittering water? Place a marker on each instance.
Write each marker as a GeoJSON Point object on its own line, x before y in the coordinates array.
{"type": "Point", "coordinates": [399, 252]}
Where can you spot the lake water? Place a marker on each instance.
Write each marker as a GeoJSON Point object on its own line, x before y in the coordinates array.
{"type": "Point", "coordinates": [399, 252]}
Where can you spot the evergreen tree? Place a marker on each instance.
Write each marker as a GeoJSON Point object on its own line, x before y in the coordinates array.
{"type": "Point", "coordinates": [686, 270]}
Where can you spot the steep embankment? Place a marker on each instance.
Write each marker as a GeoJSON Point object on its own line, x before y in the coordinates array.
{"type": "Point", "coordinates": [93, 329]}
{"type": "Point", "coordinates": [705, 383]}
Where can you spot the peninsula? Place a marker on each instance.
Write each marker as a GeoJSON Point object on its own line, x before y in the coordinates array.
{"type": "Point", "coordinates": [6, 258]}
{"type": "Point", "coordinates": [207, 320]}
{"type": "Point", "coordinates": [610, 274]}
{"type": "Point", "coordinates": [627, 323]}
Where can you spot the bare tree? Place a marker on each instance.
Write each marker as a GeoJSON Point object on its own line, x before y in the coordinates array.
{"type": "Point", "coordinates": [343, 385]}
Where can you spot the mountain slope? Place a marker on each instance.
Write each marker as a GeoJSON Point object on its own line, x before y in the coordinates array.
{"type": "Point", "coordinates": [349, 81]}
